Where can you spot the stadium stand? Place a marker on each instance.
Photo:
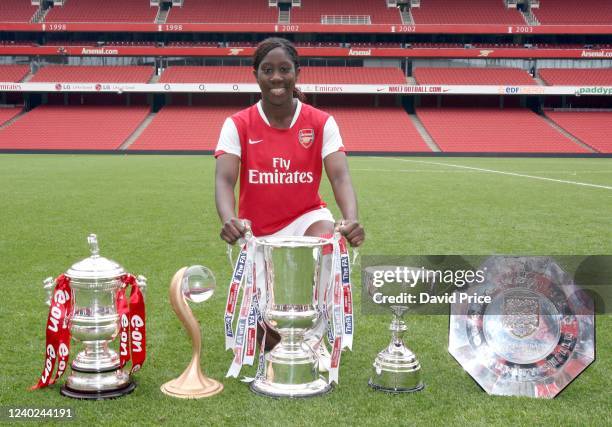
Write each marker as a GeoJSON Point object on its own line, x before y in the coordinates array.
{"type": "Point", "coordinates": [473, 76]}
{"type": "Point", "coordinates": [178, 127]}
{"type": "Point", "coordinates": [377, 10]}
{"type": "Point", "coordinates": [231, 12]}
{"type": "Point", "coordinates": [592, 128]}
{"type": "Point", "coordinates": [16, 10]}
{"type": "Point", "coordinates": [326, 75]}
{"type": "Point", "coordinates": [82, 127]}
{"type": "Point", "coordinates": [377, 129]}
{"type": "Point", "coordinates": [103, 11]}
{"type": "Point", "coordinates": [93, 74]}
{"type": "Point", "coordinates": [212, 74]}
{"type": "Point", "coordinates": [470, 12]}
{"type": "Point", "coordinates": [7, 113]}
{"type": "Point", "coordinates": [568, 12]}
{"type": "Point", "coordinates": [576, 76]}
{"type": "Point", "coordinates": [13, 73]}
{"type": "Point", "coordinates": [494, 131]}
{"type": "Point", "coordinates": [352, 75]}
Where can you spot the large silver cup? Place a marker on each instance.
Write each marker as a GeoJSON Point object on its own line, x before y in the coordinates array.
{"type": "Point", "coordinates": [94, 321]}
{"type": "Point", "coordinates": [293, 274]}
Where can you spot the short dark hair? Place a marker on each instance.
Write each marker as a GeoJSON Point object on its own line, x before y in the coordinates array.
{"type": "Point", "coordinates": [271, 43]}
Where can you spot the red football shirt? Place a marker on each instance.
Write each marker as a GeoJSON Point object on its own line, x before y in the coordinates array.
{"type": "Point", "coordinates": [280, 169]}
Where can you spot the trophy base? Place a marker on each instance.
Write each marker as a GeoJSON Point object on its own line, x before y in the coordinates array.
{"type": "Point", "coordinates": [266, 388]}
{"type": "Point", "coordinates": [396, 370]}
{"type": "Point", "coordinates": [97, 395]}
{"type": "Point", "coordinates": [173, 388]}
{"type": "Point", "coordinates": [387, 389]}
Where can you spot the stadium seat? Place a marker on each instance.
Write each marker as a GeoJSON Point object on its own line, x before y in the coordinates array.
{"type": "Point", "coordinates": [94, 74]}
{"type": "Point", "coordinates": [103, 11]}
{"type": "Point", "coordinates": [472, 76]}
{"type": "Point", "coordinates": [184, 128]}
{"type": "Point", "coordinates": [82, 127]}
{"type": "Point", "coordinates": [467, 12]}
{"type": "Point", "coordinates": [576, 76]}
{"type": "Point", "coordinates": [592, 128]}
{"type": "Point", "coordinates": [387, 129]}
{"type": "Point", "coordinates": [16, 10]}
{"type": "Point", "coordinates": [571, 12]}
{"type": "Point", "coordinates": [7, 113]}
{"type": "Point", "coordinates": [212, 74]}
{"type": "Point", "coordinates": [13, 73]}
{"type": "Point", "coordinates": [232, 12]}
{"type": "Point", "coordinates": [494, 130]}
{"type": "Point", "coordinates": [311, 11]}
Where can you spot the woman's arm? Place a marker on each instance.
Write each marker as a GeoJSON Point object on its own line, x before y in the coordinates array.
{"type": "Point", "coordinates": [226, 176]}
{"type": "Point", "coordinates": [337, 171]}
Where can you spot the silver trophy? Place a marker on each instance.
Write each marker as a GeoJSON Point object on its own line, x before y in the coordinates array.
{"type": "Point", "coordinates": [532, 336]}
{"type": "Point", "coordinates": [293, 269]}
{"type": "Point", "coordinates": [94, 321]}
{"type": "Point", "coordinates": [396, 368]}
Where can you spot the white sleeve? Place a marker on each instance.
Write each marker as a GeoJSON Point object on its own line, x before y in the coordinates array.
{"type": "Point", "coordinates": [229, 141]}
{"type": "Point", "coordinates": [332, 141]}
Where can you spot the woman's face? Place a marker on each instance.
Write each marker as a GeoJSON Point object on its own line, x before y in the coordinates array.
{"type": "Point", "coordinates": [276, 77]}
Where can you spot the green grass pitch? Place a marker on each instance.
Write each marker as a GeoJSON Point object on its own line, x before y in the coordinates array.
{"type": "Point", "coordinates": [155, 214]}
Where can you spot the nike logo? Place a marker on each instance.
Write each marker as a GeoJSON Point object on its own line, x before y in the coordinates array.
{"type": "Point", "coordinates": [255, 142]}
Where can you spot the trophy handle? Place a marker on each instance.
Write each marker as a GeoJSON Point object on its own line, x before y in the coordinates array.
{"type": "Point", "coordinates": [48, 286]}
{"type": "Point", "coordinates": [141, 281]}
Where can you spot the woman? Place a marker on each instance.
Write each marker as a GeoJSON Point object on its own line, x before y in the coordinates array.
{"type": "Point", "coordinates": [278, 148]}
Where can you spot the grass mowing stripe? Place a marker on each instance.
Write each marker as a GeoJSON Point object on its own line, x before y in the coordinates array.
{"type": "Point", "coordinates": [563, 181]}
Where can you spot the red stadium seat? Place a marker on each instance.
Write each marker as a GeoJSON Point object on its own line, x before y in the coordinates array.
{"type": "Point", "coordinates": [184, 128]}
{"type": "Point", "coordinates": [16, 10]}
{"type": "Point", "coordinates": [103, 11]}
{"type": "Point", "coordinates": [592, 128]}
{"type": "Point", "coordinates": [494, 130]}
{"type": "Point", "coordinates": [466, 12]}
{"type": "Point", "coordinates": [13, 73]}
{"type": "Point", "coordinates": [82, 127]}
{"type": "Point", "coordinates": [94, 74]}
{"type": "Point", "coordinates": [8, 113]}
{"type": "Point", "coordinates": [571, 12]}
{"type": "Point", "coordinates": [473, 76]}
{"type": "Point", "coordinates": [382, 129]}
{"type": "Point", "coordinates": [312, 10]}
{"type": "Point", "coordinates": [576, 76]}
{"type": "Point", "coordinates": [231, 12]}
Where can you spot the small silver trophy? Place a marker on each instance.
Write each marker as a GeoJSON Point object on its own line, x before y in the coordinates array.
{"type": "Point", "coordinates": [94, 321]}
{"type": "Point", "coordinates": [293, 266]}
{"type": "Point", "coordinates": [396, 368]}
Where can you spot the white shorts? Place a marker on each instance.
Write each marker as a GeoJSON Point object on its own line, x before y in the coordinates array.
{"type": "Point", "coordinates": [299, 226]}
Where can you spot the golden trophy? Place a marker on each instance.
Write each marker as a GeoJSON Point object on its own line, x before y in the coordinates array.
{"type": "Point", "coordinates": [196, 284]}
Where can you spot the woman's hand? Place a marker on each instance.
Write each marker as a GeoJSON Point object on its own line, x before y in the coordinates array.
{"type": "Point", "coordinates": [233, 229]}
{"type": "Point", "coordinates": [352, 230]}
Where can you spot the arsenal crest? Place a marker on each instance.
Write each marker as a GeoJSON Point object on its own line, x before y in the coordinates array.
{"type": "Point", "coordinates": [306, 137]}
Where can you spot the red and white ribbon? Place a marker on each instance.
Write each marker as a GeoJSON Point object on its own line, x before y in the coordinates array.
{"type": "Point", "coordinates": [232, 298]}
{"type": "Point", "coordinates": [132, 324]}
{"type": "Point", "coordinates": [57, 346]}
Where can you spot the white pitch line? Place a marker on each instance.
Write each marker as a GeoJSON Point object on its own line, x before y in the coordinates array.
{"type": "Point", "coordinates": [563, 181]}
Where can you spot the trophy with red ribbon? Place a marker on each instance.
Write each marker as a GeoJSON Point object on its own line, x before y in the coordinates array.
{"type": "Point", "coordinates": [90, 303]}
